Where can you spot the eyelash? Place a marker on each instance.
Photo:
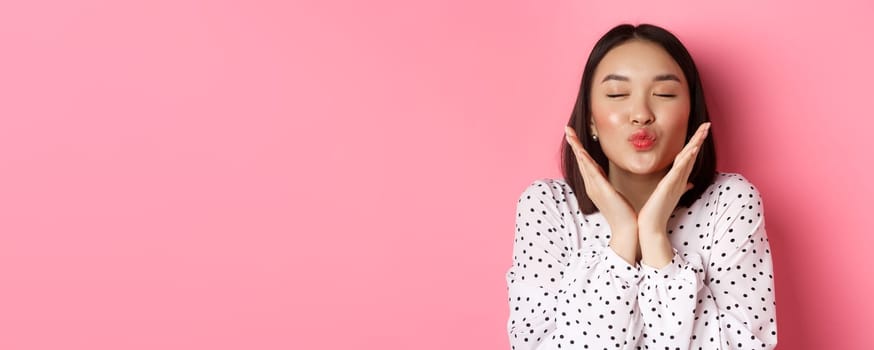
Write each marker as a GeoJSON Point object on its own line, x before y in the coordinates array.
{"type": "Point", "coordinates": [659, 95]}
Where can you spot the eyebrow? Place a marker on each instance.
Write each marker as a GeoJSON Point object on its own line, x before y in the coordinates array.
{"type": "Point", "coordinates": [615, 77]}
{"type": "Point", "coordinates": [661, 77]}
{"type": "Point", "coordinates": [668, 76]}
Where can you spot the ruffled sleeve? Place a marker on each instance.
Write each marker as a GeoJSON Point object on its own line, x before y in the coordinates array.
{"type": "Point", "coordinates": [563, 293]}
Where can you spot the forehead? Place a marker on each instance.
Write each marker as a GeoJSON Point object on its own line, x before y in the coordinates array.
{"type": "Point", "coordinates": [637, 59]}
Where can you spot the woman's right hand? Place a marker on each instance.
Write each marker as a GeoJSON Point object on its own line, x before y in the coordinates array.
{"type": "Point", "coordinates": [612, 205]}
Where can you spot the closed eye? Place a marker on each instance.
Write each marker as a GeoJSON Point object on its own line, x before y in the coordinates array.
{"type": "Point", "coordinates": [665, 95]}
{"type": "Point", "coordinates": [616, 95]}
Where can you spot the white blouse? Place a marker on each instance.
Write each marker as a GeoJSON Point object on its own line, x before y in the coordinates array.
{"type": "Point", "coordinates": [569, 290]}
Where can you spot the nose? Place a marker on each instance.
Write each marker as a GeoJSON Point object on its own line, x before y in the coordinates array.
{"type": "Point", "coordinates": [641, 114]}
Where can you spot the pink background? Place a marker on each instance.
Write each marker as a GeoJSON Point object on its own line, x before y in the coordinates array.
{"type": "Point", "coordinates": [266, 175]}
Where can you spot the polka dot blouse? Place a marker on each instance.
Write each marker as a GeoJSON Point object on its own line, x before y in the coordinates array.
{"type": "Point", "coordinates": [569, 290]}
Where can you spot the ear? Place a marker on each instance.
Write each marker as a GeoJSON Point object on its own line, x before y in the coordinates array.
{"type": "Point", "coordinates": [593, 129]}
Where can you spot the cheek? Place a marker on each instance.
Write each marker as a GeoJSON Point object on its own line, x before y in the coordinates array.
{"type": "Point", "coordinates": [674, 119]}
{"type": "Point", "coordinates": [606, 117]}
{"type": "Point", "coordinates": [673, 110]}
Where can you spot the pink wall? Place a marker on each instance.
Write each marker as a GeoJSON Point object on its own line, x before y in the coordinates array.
{"type": "Point", "coordinates": [259, 175]}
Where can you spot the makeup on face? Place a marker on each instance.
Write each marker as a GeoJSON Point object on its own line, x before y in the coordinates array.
{"type": "Point", "coordinates": [642, 140]}
{"type": "Point", "coordinates": [640, 107]}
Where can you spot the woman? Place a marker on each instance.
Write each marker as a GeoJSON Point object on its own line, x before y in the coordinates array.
{"type": "Point", "coordinates": [642, 244]}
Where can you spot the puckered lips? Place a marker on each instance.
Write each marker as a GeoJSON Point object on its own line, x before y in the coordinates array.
{"type": "Point", "coordinates": [642, 140]}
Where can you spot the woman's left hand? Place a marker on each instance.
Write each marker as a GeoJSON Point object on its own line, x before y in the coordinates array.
{"type": "Point", "coordinates": [653, 216]}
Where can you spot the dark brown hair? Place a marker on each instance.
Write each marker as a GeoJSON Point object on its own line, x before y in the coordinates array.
{"type": "Point", "coordinates": [704, 170]}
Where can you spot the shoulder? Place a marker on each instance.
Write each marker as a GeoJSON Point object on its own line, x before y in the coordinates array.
{"type": "Point", "coordinates": [546, 189]}
{"type": "Point", "coordinates": [739, 239]}
{"type": "Point", "coordinates": [737, 204]}
{"type": "Point", "coordinates": [547, 196]}
{"type": "Point", "coordinates": [733, 187]}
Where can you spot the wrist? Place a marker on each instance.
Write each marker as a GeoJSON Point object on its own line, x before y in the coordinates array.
{"type": "Point", "coordinates": [624, 242]}
{"type": "Point", "coordinates": [653, 230]}
{"type": "Point", "coordinates": [656, 249]}
{"type": "Point", "coordinates": [627, 253]}
{"type": "Point", "coordinates": [625, 229]}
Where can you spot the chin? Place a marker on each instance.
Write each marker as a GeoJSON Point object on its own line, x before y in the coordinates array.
{"type": "Point", "coordinates": [644, 168]}
{"type": "Point", "coordinates": [645, 171]}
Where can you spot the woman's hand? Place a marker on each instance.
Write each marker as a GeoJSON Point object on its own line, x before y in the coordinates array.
{"type": "Point", "coordinates": [653, 216]}
{"type": "Point", "coordinates": [615, 208]}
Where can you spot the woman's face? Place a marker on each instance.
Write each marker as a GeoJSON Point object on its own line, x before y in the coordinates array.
{"type": "Point", "coordinates": [640, 108]}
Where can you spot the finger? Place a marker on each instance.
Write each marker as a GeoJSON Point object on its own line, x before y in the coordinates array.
{"type": "Point", "coordinates": [684, 163]}
{"type": "Point", "coordinates": [571, 137]}
{"type": "Point", "coordinates": [685, 167]}
{"type": "Point", "coordinates": [590, 170]}
{"type": "Point", "coordinates": [698, 137]}
{"type": "Point", "coordinates": [695, 142]}
{"type": "Point", "coordinates": [579, 150]}
{"type": "Point", "coordinates": [685, 160]}
{"type": "Point", "coordinates": [700, 134]}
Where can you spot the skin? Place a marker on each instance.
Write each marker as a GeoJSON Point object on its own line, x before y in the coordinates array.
{"type": "Point", "coordinates": [638, 85]}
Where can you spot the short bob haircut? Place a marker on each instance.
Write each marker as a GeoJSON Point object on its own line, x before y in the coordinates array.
{"type": "Point", "coordinates": [704, 170]}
